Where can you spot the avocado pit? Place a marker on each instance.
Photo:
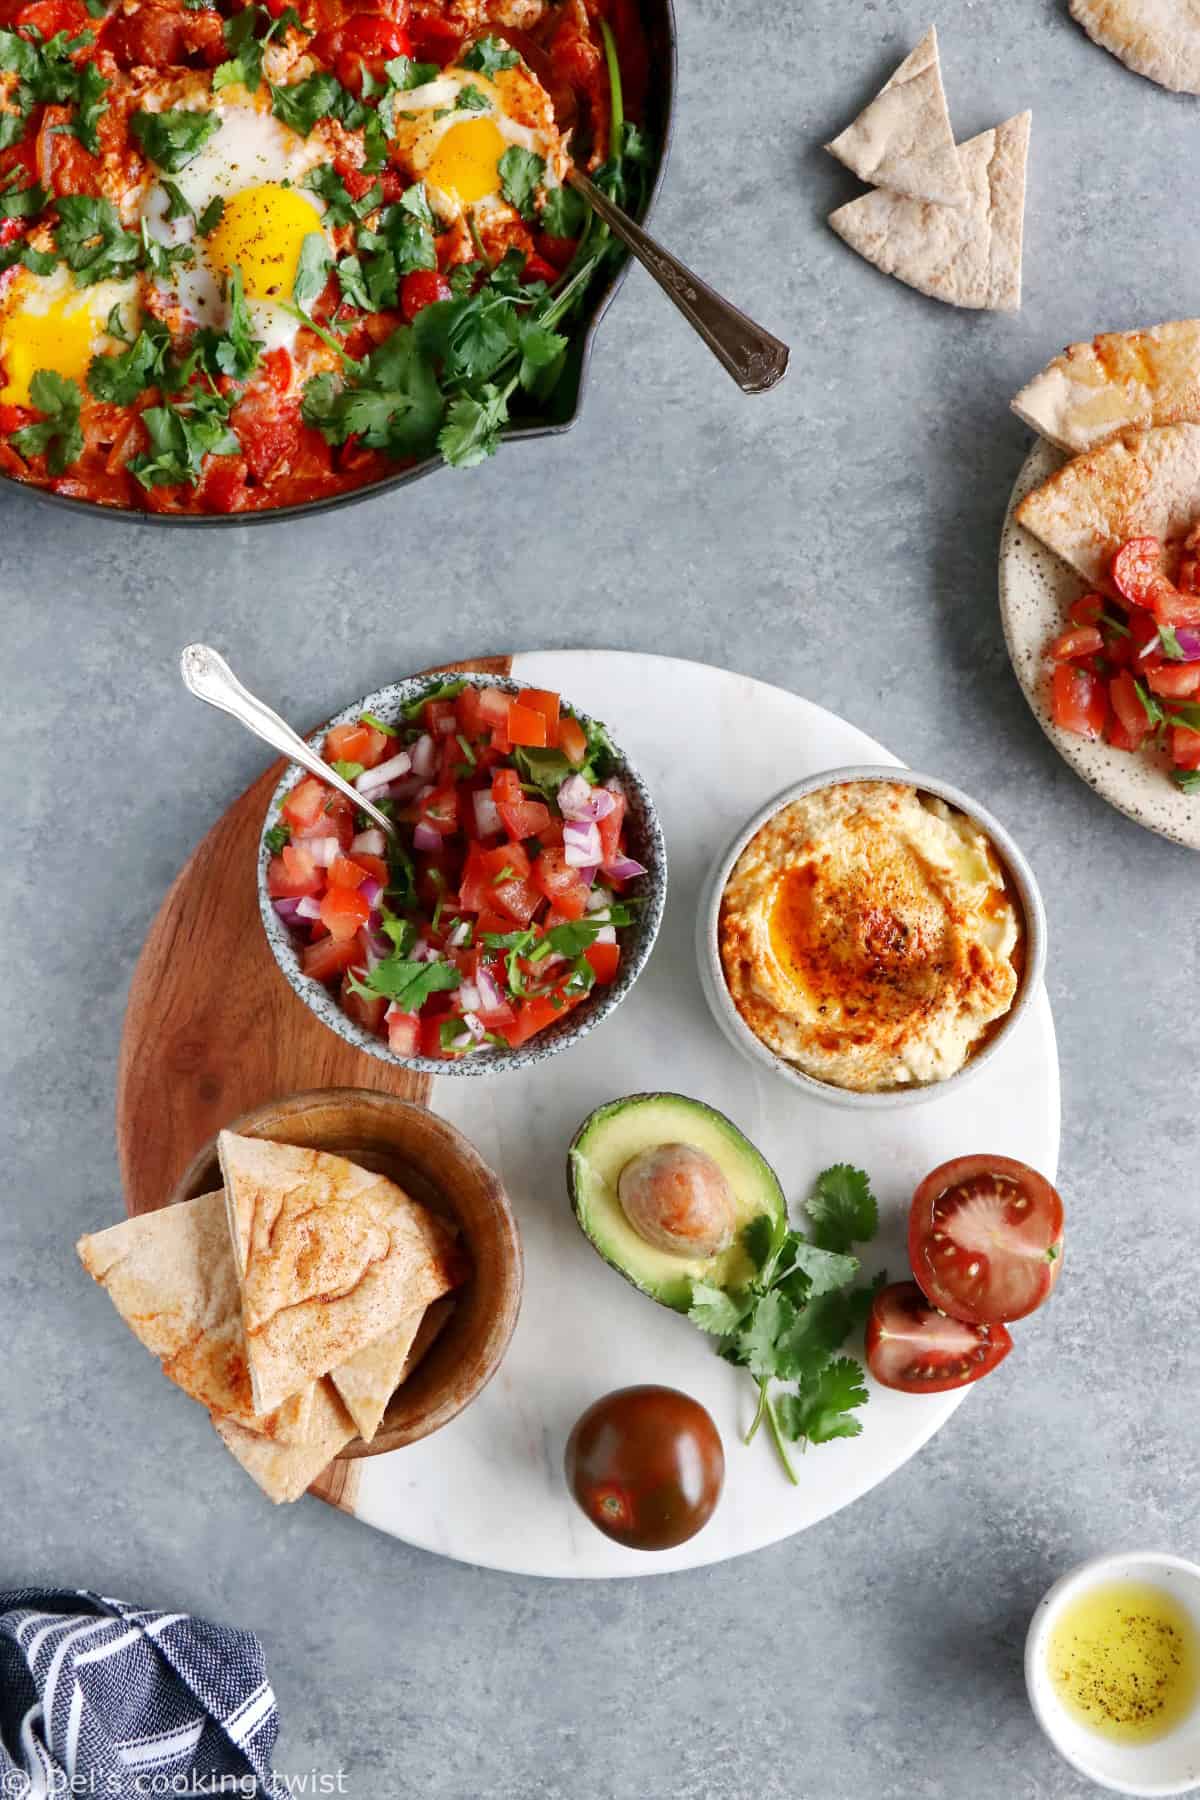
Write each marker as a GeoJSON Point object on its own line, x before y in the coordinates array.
{"type": "Point", "coordinates": [677, 1199]}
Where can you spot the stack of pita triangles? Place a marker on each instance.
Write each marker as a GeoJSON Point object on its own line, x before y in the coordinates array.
{"type": "Point", "coordinates": [946, 219]}
{"type": "Point", "coordinates": [291, 1303]}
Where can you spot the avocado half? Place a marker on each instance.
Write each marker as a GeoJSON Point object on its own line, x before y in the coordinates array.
{"type": "Point", "coordinates": [612, 1135]}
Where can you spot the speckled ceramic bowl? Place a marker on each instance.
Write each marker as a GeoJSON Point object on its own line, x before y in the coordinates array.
{"type": "Point", "coordinates": [645, 840]}
{"type": "Point", "coordinates": [730, 1020]}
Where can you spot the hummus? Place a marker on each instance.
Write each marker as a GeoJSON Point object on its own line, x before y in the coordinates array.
{"type": "Point", "coordinates": [868, 936]}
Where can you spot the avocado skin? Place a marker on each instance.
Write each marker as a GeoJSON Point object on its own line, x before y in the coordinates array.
{"type": "Point", "coordinates": [662, 1278]}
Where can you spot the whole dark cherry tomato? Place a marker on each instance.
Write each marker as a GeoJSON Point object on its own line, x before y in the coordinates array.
{"type": "Point", "coordinates": [421, 289]}
{"type": "Point", "coordinates": [646, 1465]}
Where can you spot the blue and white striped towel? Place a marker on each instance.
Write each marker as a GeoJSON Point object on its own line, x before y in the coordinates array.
{"type": "Point", "coordinates": [100, 1697]}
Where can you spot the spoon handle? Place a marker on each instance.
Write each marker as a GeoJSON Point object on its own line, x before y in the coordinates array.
{"type": "Point", "coordinates": [754, 358]}
{"type": "Point", "coordinates": [210, 678]}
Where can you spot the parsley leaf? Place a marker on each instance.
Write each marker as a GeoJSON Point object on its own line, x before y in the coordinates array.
{"type": "Point", "coordinates": [542, 355]}
{"type": "Point", "coordinates": [92, 240]}
{"type": "Point", "coordinates": [161, 258]}
{"type": "Point", "coordinates": [58, 436]}
{"type": "Point", "coordinates": [174, 138]}
{"type": "Point", "coordinates": [822, 1409]}
{"type": "Point", "coordinates": [842, 1208]}
{"type": "Point", "coordinates": [521, 173]}
{"type": "Point", "coordinates": [488, 55]}
{"type": "Point", "coordinates": [408, 984]}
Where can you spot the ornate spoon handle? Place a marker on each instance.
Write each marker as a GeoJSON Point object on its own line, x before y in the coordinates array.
{"type": "Point", "coordinates": [210, 678]}
{"type": "Point", "coordinates": [754, 358]}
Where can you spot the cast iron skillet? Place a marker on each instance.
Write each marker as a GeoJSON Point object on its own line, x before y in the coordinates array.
{"type": "Point", "coordinates": [565, 403]}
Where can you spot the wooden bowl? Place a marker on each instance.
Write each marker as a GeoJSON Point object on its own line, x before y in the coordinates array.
{"type": "Point", "coordinates": [434, 1163]}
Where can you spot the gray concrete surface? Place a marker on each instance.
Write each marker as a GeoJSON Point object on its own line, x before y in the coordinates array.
{"type": "Point", "coordinates": [840, 537]}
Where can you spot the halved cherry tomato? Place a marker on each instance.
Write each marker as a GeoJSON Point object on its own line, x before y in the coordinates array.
{"type": "Point", "coordinates": [1081, 640]}
{"type": "Point", "coordinates": [985, 1238]}
{"type": "Point", "coordinates": [344, 912]}
{"type": "Point", "coordinates": [1137, 569]}
{"type": "Point", "coordinates": [422, 288]}
{"type": "Point", "coordinates": [917, 1350]}
{"type": "Point", "coordinates": [1079, 700]}
{"type": "Point", "coordinates": [572, 740]}
{"type": "Point", "coordinates": [526, 726]}
{"type": "Point", "coordinates": [330, 957]}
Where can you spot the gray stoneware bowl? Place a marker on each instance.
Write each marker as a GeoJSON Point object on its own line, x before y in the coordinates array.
{"type": "Point", "coordinates": [712, 975]}
{"type": "Point", "coordinates": [637, 940]}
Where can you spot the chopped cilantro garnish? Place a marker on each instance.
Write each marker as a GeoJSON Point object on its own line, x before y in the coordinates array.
{"type": "Point", "coordinates": [92, 241]}
{"type": "Point", "coordinates": [277, 837]}
{"type": "Point", "coordinates": [470, 99]}
{"type": "Point", "coordinates": [57, 435]}
{"type": "Point", "coordinates": [181, 435]}
{"type": "Point", "coordinates": [349, 771]}
{"type": "Point", "coordinates": [488, 55]}
{"type": "Point", "coordinates": [174, 138]}
{"type": "Point", "coordinates": [211, 217]}
{"type": "Point", "coordinates": [408, 984]}
{"type": "Point", "coordinates": [521, 173]}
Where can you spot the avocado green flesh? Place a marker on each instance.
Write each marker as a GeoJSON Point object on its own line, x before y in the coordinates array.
{"type": "Point", "coordinates": [614, 1134]}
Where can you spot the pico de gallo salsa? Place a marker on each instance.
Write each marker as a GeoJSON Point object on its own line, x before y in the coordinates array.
{"type": "Point", "coordinates": [259, 254]}
{"type": "Point", "coordinates": [501, 903]}
{"type": "Point", "coordinates": [1127, 669]}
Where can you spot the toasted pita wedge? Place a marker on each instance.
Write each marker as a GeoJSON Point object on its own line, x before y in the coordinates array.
{"type": "Point", "coordinates": [435, 1319]}
{"type": "Point", "coordinates": [171, 1276]}
{"type": "Point", "coordinates": [903, 140]}
{"type": "Point", "coordinates": [965, 255]}
{"type": "Point", "coordinates": [367, 1382]}
{"type": "Point", "coordinates": [1122, 381]}
{"type": "Point", "coordinates": [1156, 38]}
{"type": "Point", "coordinates": [1146, 484]}
{"type": "Point", "coordinates": [330, 1257]}
{"type": "Point", "coordinates": [284, 1471]}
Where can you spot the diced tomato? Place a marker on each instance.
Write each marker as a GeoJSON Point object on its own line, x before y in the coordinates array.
{"type": "Point", "coordinates": [440, 717]}
{"type": "Point", "coordinates": [439, 810]}
{"type": "Point", "coordinates": [538, 269]}
{"type": "Point", "coordinates": [468, 714]}
{"type": "Point", "coordinates": [526, 726]}
{"type": "Point", "coordinates": [421, 288]}
{"type": "Point", "coordinates": [605, 960]}
{"type": "Point", "coordinates": [364, 1012]}
{"type": "Point", "coordinates": [293, 874]}
{"type": "Point", "coordinates": [1129, 723]}
{"type": "Point", "coordinates": [375, 866]}
{"type": "Point", "coordinates": [490, 923]}
{"type": "Point", "coordinates": [1185, 747]}
{"type": "Point", "coordinates": [1145, 643]}
{"type": "Point", "coordinates": [498, 880]}
{"type": "Point", "coordinates": [572, 740]}
{"type": "Point", "coordinates": [371, 34]}
{"type": "Point", "coordinates": [403, 1032]}
{"type": "Point", "coordinates": [1175, 681]}
{"type": "Point", "coordinates": [493, 705]}
{"type": "Point", "coordinates": [1086, 610]}
{"type": "Point", "coordinates": [46, 18]}
{"type": "Point", "coordinates": [277, 367]}
{"type": "Point", "coordinates": [557, 251]}
{"type": "Point", "coordinates": [344, 912]}
{"type": "Point", "coordinates": [1080, 641]}
{"type": "Point", "coordinates": [532, 1016]}
{"type": "Point", "coordinates": [553, 877]}
{"type": "Point", "coordinates": [330, 957]}
{"type": "Point", "coordinates": [344, 873]}
{"type": "Point", "coordinates": [434, 39]}
{"type": "Point", "coordinates": [356, 743]}
{"type": "Point", "coordinates": [430, 1036]}
{"type": "Point", "coordinates": [1080, 703]}
{"type": "Point", "coordinates": [306, 803]}
{"type": "Point", "coordinates": [522, 817]}
{"type": "Point", "coordinates": [223, 488]}
{"type": "Point", "coordinates": [610, 828]}
{"type": "Point", "coordinates": [548, 704]}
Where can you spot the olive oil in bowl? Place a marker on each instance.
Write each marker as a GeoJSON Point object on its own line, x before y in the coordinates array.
{"type": "Point", "coordinates": [1124, 1660]}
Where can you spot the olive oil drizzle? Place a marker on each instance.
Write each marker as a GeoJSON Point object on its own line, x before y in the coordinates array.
{"type": "Point", "coordinates": [1125, 1660]}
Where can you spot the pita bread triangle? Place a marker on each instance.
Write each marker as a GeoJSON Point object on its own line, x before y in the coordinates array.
{"type": "Point", "coordinates": [330, 1258]}
{"type": "Point", "coordinates": [1159, 39]}
{"type": "Point", "coordinates": [284, 1471]}
{"type": "Point", "coordinates": [903, 140]}
{"type": "Point", "coordinates": [1146, 484]}
{"type": "Point", "coordinates": [1121, 381]}
{"type": "Point", "coordinates": [171, 1276]}
{"type": "Point", "coordinates": [367, 1382]}
{"type": "Point", "coordinates": [965, 255]}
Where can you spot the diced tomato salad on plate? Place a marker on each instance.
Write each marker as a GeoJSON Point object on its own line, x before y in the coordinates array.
{"type": "Point", "coordinates": [502, 902]}
{"type": "Point", "coordinates": [1127, 669]}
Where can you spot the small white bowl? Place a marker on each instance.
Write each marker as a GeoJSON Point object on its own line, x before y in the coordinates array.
{"type": "Point", "coordinates": [712, 975]}
{"type": "Point", "coordinates": [1171, 1764]}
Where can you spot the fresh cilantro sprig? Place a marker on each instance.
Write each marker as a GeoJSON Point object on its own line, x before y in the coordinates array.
{"type": "Point", "coordinates": [488, 55]}
{"type": "Point", "coordinates": [407, 984]}
{"type": "Point", "coordinates": [58, 434]}
{"type": "Point", "coordinates": [173, 138]}
{"type": "Point", "coordinates": [797, 1311]}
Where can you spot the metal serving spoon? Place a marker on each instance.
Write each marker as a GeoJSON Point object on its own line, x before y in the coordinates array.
{"type": "Point", "coordinates": [210, 678]}
{"type": "Point", "coordinates": [754, 358]}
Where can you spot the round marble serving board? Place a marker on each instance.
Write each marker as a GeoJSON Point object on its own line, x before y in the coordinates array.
{"type": "Point", "coordinates": [1036, 588]}
{"type": "Point", "coordinates": [488, 1488]}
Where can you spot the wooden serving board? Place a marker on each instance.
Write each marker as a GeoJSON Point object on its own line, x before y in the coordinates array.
{"type": "Point", "coordinates": [212, 1028]}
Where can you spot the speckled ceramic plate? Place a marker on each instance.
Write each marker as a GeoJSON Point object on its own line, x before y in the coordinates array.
{"type": "Point", "coordinates": [1035, 592]}
{"type": "Point", "coordinates": [489, 1488]}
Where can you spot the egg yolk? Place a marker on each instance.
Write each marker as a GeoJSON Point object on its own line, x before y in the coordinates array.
{"type": "Point", "coordinates": [466, 160]}
{"type": "Point", "coordinates": [62, 338]}
{"type": "Point", "coordinates": [262, 231]}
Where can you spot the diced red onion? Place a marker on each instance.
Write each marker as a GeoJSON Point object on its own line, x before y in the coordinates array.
{"type": "Point", "coordinates": [588, 875]}
{"type": "Point", "coordinates": [475, 1026]}
{"type": "Point", "coordinates": [468, 997]}
{"type": "Point", "coordinates": [379, 948]}
{"type": "Point", "coordinates": [581, 844]}
{"type": "Point", "coordinates": [323, 850]}
{"type": "Point", "coordinates": [383, 772]}
{"type": "Point", "coordinates": [550, 962]}
{"type": "Point", "coordinates": [578, 799]}
{"type": "Point", "coordinates": [624, 868]}
{"type": "Point", "coordinates": [423, 951]}
{"type": "Point", "coordinates": [370, 890]}
{"type": "Point", "coordinates": [606, 935]}
{"type": "Point", "coordinates": [425, 837]}
{"type": "Point", "coordinates": [371, 843]}
{"type": "Point", "coordinates": [491, 996]}
{"type": "Point", "coordinates": [286, 909]}
{"type": "Point", "coordinates": [404, 791]}
{"type": "Point", "coordinates": [308, 908]}
{"type": "Point", "coordinates": [424, 756]}
{"type": "Point", "coordinates": [1188, 639]}
{"type": "Point", "coordinates": [459, 934]}
{"type": "Point", "coordinates": [487, 813]}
